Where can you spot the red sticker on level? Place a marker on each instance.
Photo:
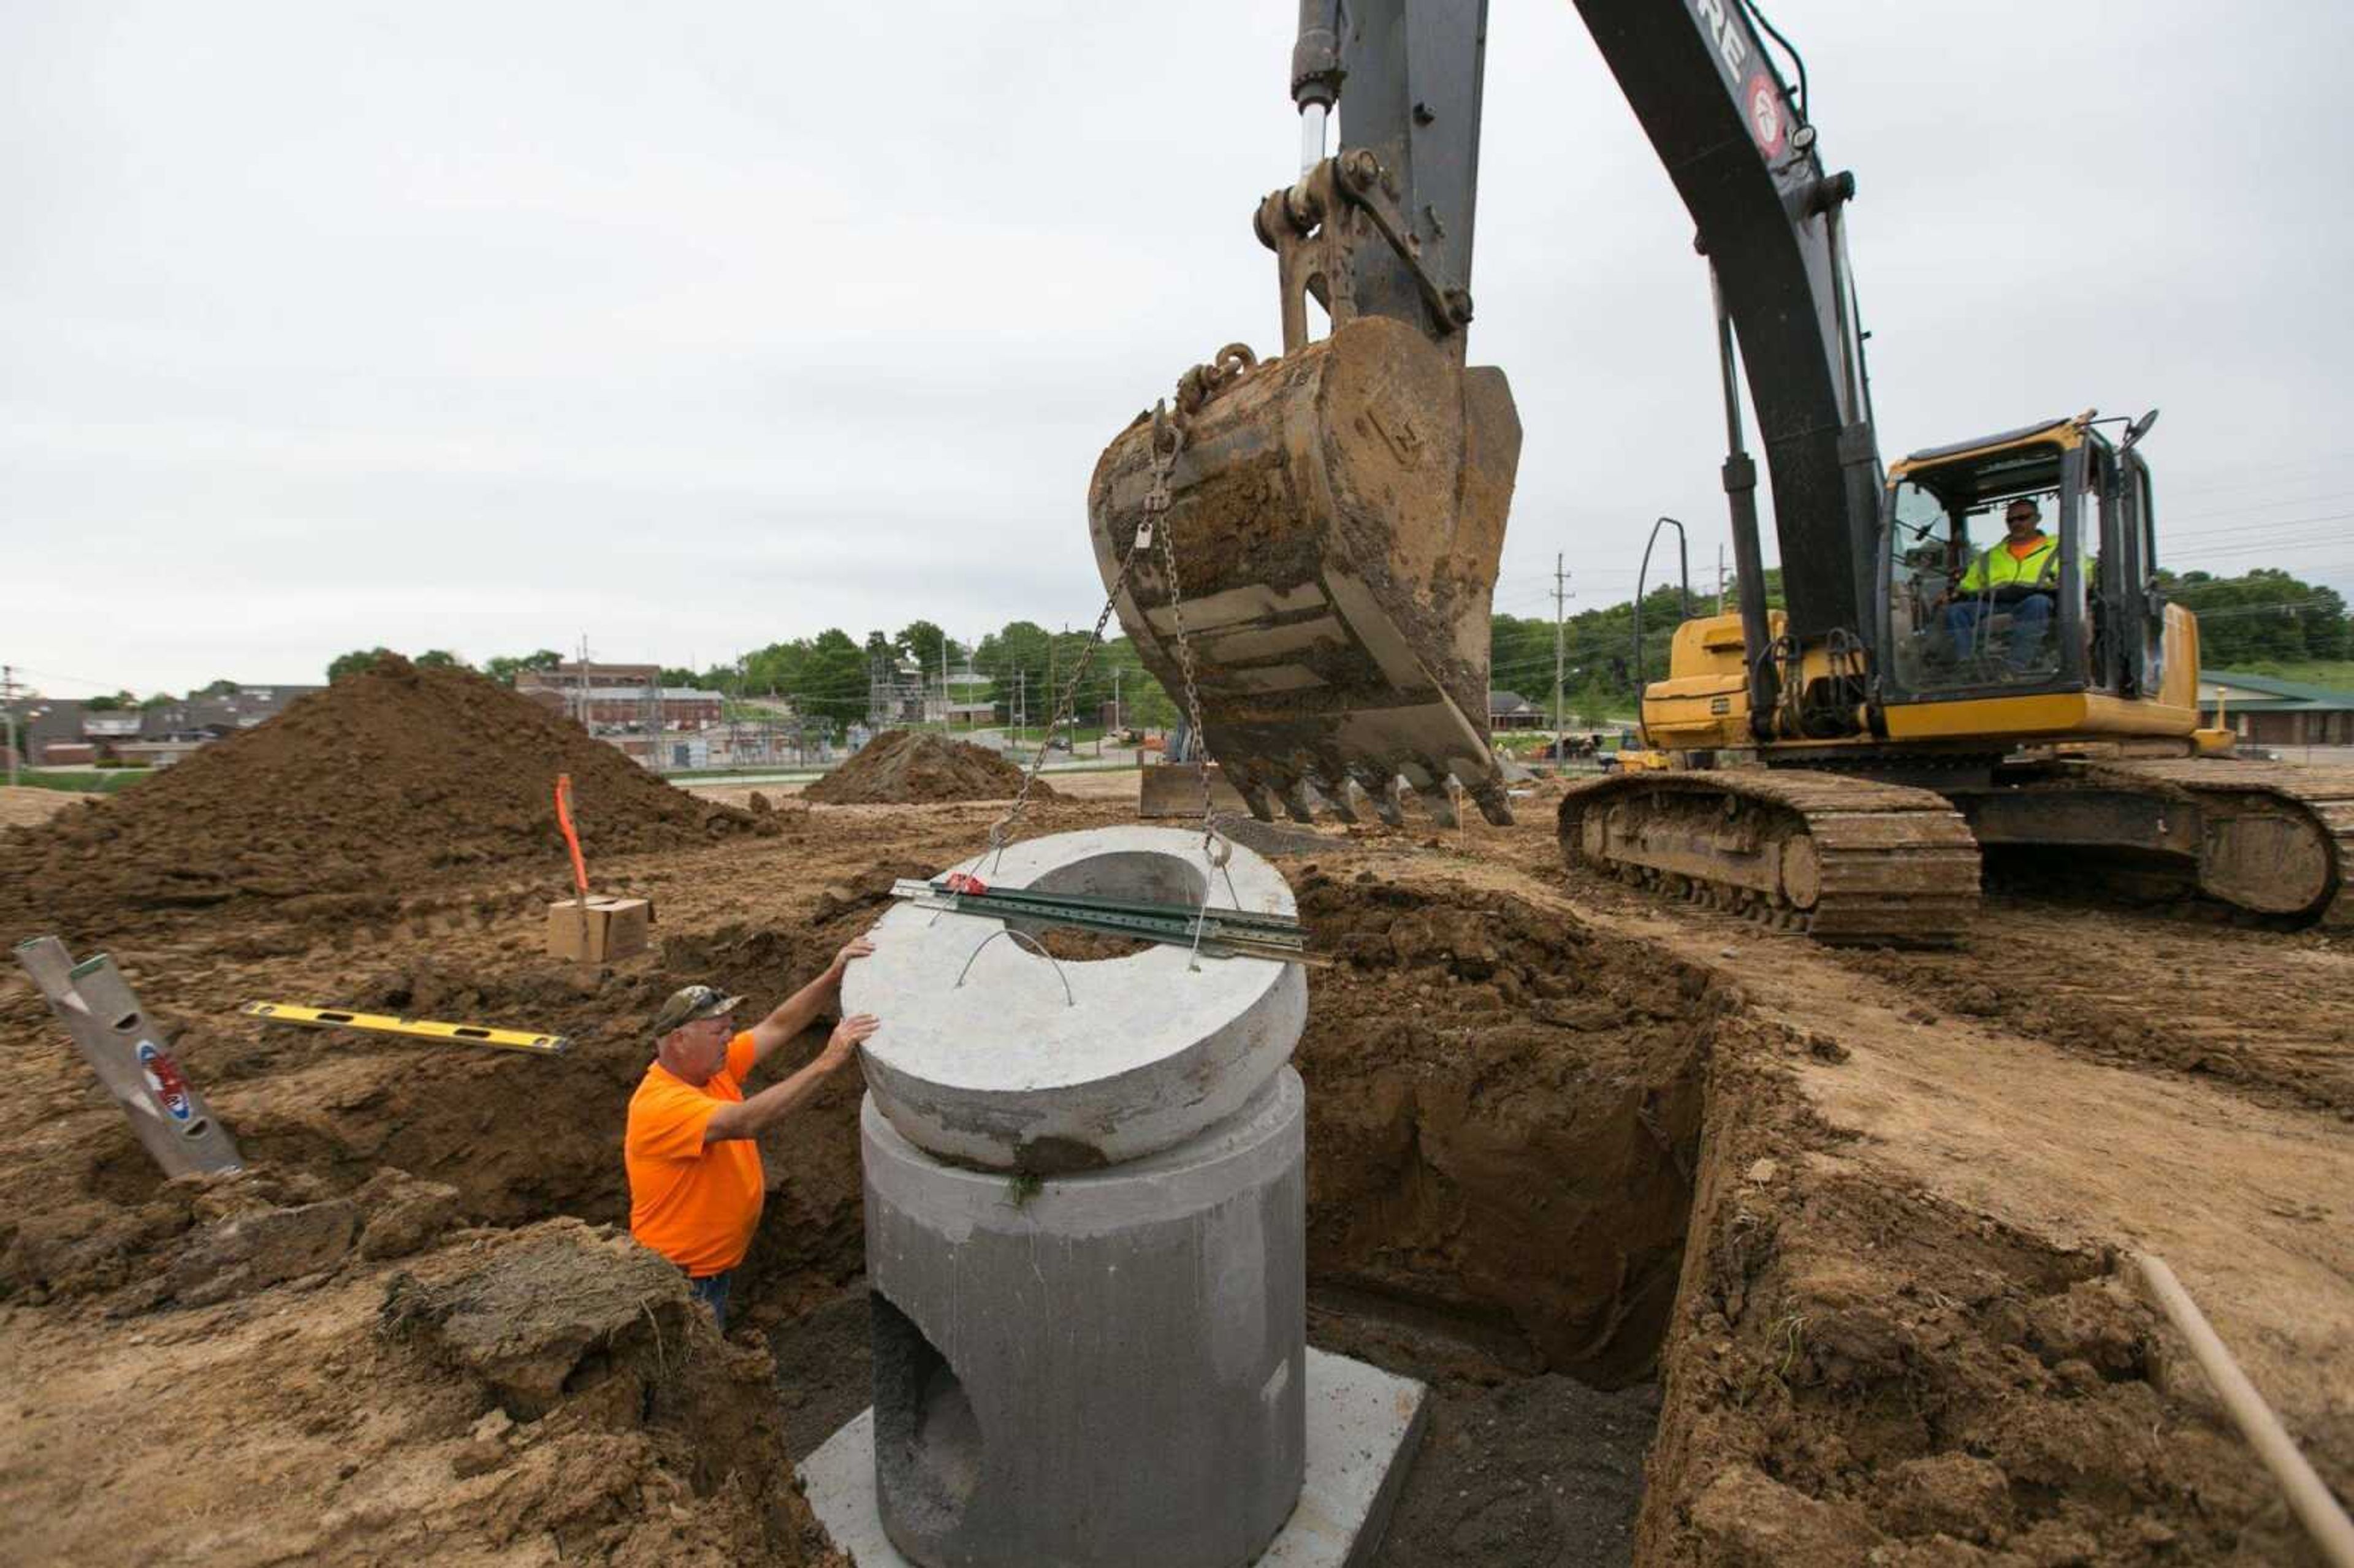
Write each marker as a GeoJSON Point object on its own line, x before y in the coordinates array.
{"type": "Point", "coordinates": [163, 1075]}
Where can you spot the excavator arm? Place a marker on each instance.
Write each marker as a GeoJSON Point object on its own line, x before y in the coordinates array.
{"type": "Point", "coordinates": [1324, 528]}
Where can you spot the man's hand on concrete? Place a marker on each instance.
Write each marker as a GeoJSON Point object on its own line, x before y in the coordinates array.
{"type": "Point", "coordinates": [857, 948]}
{"type": "Point", "coordinates": [844, 1043]}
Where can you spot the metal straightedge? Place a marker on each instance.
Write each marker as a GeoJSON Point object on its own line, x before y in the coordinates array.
{"type": "Point", "coordinates": [123, 1047]}
{"type": "Point", "coordinates": [521, 1040]}
{"type": "Point", "coordinates": [1222, 933]}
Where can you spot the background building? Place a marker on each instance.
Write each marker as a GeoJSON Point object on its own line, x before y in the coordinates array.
{"type": "Point", "coordinates": [2268, 711]}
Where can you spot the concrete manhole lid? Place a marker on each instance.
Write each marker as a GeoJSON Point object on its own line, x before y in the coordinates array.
{"type": "Point", "coordinates": [1005, 1072]}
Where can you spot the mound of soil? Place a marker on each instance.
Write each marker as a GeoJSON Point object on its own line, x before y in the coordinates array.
{"type": "Point", "coordinates": [326, 810]}
{"type": "Point", "coordinates": [900, 766]}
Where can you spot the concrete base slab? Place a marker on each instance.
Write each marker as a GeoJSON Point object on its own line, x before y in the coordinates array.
{"type": "Point", "coordinates": [1363, 1425]}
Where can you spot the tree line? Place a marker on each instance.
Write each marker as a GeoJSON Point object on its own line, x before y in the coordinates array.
{"type": "Point", "coordinates": [2263, 617]}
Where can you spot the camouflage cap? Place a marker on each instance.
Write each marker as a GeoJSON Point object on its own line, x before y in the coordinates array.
{"type": "Point", "coordinates": [693, 1003]}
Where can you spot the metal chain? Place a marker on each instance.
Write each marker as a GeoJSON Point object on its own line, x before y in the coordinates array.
{"type": "Point", "coordinates": [1157, 505]}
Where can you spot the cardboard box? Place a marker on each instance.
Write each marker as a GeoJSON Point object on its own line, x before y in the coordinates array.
{"type": "Point", "coordinates": [617, 928]}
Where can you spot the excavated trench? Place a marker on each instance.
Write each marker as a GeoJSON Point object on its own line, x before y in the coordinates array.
{"type": "Point", "coordinates": [1504, 1123]}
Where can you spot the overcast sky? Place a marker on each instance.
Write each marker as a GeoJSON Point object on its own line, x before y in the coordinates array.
{"type": "Point", "coordinates": [695, 327]}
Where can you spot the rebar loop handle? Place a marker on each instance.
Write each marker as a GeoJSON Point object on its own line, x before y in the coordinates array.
{"type": "Point", "coordinates": [1035, 945]}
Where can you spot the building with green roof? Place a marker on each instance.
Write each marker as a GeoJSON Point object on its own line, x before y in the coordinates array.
{"type": "Point", "coordinates": [2265, 710]}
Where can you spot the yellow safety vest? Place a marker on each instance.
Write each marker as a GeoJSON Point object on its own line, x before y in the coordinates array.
{"type": "Point", "coordinates": [1998, 567]}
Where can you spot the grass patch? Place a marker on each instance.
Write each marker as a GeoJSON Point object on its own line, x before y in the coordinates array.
{"type": "Point", "coordinates": [90, 781]}
{"type": "Point", "coordinates": [2336, 674]}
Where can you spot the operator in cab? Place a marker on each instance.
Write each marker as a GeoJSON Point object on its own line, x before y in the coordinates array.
{"type": "Point", "coordinates": [2020, 575]}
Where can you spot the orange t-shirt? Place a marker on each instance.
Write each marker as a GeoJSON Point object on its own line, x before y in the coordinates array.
{"type": "Point", "coordinates": [694, 1203]}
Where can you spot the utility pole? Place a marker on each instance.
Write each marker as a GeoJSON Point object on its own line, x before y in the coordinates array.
{"type": "Point", "coordinates": [8, 708]}
{"type": "Point", "coordinates": [1720, 577]}
{"type": "Point", "coordinates": [1560, 602]}
{"type": "Point", "coordinates": [583, 668]}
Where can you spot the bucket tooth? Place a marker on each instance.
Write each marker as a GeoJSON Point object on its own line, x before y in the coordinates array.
{"type": "Point", "coordinates": [1252, 791]}
{"type": "Point", "coordinates": [1300, 800]}
{"type": "Point", "coordinates": [1337, 790]}
{"type": "Point", "coordinates": [1440, 803]}
{"type": "Point", "coordinates": [1494, 804]}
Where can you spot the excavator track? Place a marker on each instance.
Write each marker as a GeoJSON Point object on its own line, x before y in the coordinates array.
{"type": "Point", "coordinates": [1845, 860]}
{"type": "Point", "coordinates": [2278, 839]}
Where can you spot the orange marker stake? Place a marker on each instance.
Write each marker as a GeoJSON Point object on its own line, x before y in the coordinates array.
{"type": "Point", "coordinates": [579, 866]}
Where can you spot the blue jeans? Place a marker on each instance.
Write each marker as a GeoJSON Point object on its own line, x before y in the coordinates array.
{"type": "Point", "coordinates": [2031, 618]}
{"type": "Point", "coordinates": [712, 1291]}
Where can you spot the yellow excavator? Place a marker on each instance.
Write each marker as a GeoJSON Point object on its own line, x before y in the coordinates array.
{"type": "Point", "coordinates": [1974, 646]}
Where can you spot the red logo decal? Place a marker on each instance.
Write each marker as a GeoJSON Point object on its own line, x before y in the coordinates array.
{"type": "Point", "coordinates": [1764, 101]}
{"type": "Point", "coordinates": [163, 1075]}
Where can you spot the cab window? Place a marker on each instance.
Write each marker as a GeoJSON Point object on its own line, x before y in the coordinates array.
{"type": "Point", "coordinates": [1974, 574]}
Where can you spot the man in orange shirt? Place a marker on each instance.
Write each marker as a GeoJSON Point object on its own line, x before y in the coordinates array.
{"type": "Point", "coordinates": [696, 1183]}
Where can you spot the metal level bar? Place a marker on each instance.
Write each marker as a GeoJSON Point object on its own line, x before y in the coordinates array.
{"type": "Point", "coordinates": [111, 1027]}
{"type": "Point", "coordinates": [1114, 910]}
{"type": "Point", "coordinates": [1085, 902]}
{"type": "Point", "coordinates": [1220, 933]}
{"type": "Point", "coordinates": [414, 1028]}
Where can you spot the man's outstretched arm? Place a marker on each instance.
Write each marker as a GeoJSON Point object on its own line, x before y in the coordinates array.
{"type": "Point", "coordinates": [749, 1117]}
{"type": "Point", "coordinates": [799, 1010]}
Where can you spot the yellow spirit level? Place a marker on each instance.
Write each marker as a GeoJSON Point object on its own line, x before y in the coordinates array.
{"type": "Point", "coordinates": [416, 1028]}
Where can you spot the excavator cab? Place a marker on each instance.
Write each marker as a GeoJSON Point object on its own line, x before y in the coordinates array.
{"type": "Point", "coordinates": [1971, 607]}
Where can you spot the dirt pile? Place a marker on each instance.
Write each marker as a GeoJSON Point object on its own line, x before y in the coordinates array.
{"type": "Point", "coordinates": [328, 810]}
{"type": "Point", "coordinates": [902, 766]}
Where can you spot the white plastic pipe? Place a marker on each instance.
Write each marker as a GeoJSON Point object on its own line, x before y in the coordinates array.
{"type": "Point", "coordinates": [2315, 1508]}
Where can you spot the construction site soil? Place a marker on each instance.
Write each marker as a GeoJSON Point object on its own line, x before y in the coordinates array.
{"type": "Point", "coordinates": [341, 807]}
{"type": "Point", "coordinates": [902, 767]}
{"type": "Point", "coordinates": [1715, 1246]}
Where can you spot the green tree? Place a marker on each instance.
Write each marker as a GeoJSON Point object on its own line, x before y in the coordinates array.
{"type": "Point", "coordinates": [2262, 616]}
{"type": "Point", "coordinates": [1014, 658]}
{"type": "Point", "coordinates": [356, 660]}
{"type": "Point", "coordinates": [441, 658]}
{"type": "Point", "coordinates": [824, 676]}
{"type": "Point", "coordinates": [504, 668]}
{"type": "Point", "coordinates": [676, 677]}
{"type": "Point", "coordinates": [217, 688]}
{"type": "Point", "coordinates": [834, 678]}
{"type": "Point", "coordinates": [110, 703]}
{"type": "Point", "coordinates": [922, 642]}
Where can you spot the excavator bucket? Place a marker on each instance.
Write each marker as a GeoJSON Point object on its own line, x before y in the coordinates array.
{"type": "Point", "coordinates": [1336, 517]}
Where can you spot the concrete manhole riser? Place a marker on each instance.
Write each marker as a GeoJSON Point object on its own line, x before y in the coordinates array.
{"type": "Point", "coordinates": [1005, 1071]}
{"type": "Point", "coordinates": [1106, 1367]}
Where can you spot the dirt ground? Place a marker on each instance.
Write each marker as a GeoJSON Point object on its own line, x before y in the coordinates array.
{"type": "Point", "coordinates": [1716, 1246]}
{"type": "Point", "coordinates": [23, 805]}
